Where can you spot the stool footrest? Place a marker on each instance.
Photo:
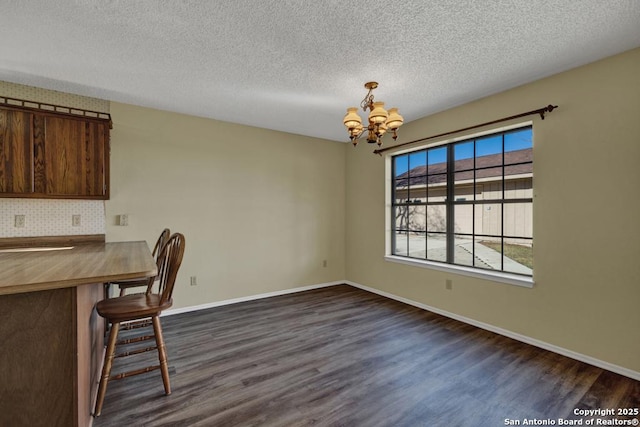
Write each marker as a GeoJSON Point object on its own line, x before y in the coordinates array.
{"type": "Point", "coordinates": [137, 351]}
{"type": "Point", "coordinates": [132, 373]}
{"type": "Point", "coordinates": [135, 324]}
{"type": "Point", "coordinates": [136, 339]}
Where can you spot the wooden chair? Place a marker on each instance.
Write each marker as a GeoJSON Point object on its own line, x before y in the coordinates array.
{"type": "Point", "coordinates": [136, 307]}
{"type": "Point", "coordinates": [123, 285]}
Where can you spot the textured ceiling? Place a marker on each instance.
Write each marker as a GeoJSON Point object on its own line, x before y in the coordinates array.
{"type": "Point", "coordinates": [295, 65]}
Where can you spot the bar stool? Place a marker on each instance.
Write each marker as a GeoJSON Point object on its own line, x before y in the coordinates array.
{"type": "Point", "coordinates": [137, 307]}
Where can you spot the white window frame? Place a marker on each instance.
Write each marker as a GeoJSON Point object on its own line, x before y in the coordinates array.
{"type": "Point", "coordinates": [495, 276]}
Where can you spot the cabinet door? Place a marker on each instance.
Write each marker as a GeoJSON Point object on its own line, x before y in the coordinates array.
{"type": "Point", "coordinates": [74, 157]}
{"type": "Point", "coordinates": [16, 152]}
{"type": "Point", "coordinates": [96, 159]}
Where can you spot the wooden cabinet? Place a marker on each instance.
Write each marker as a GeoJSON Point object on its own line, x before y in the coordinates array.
{"type": "Point", "coordinates": [48, 155]}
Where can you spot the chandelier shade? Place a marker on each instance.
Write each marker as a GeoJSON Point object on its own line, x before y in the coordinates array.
{"type": "Point", "coordinates": [352, 119]}
{"type": "Point", "coordinates": [395, 120]}
{"type": "Point", "coordinates": [378, 115]}
{"type": "Point", "coordinates": [379, 119]}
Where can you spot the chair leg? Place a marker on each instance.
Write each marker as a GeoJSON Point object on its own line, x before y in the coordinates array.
{"type": "Point", "coordinates": [107, 295]}
{"type": "Point", "coordinates": [106, 369]}
{"type": "Point", "coordinates": [162, 354]}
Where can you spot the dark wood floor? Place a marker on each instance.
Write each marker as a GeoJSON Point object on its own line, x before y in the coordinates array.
{"type": "Point", "coordinates": [340, 356]}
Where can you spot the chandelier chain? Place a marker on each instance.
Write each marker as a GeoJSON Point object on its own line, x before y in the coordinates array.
{"type": "Point", "coordinates": [367, 102]}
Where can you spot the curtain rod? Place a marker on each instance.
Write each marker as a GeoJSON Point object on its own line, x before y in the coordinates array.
{"type": "Point", "coordinates": [549, 108]}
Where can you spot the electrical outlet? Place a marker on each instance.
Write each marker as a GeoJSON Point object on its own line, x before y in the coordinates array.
{"type": "Point", "coordinates": [448, 284]}
{"type": "Point", "coordinates": [123, 220]}
{"type": "Point", "coordinates": [193, 281]}
{"type": "Point", "coordinates": [19, 221]}
{"type": "Point", "coordinates": [75, 220]}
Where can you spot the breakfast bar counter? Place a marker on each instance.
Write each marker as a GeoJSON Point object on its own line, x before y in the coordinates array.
{"type": "Point", "coordinates": [43, 268]}
{"type": "Point", "coordinates": [51, 338]}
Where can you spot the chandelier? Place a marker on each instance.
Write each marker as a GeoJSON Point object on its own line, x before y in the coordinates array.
{"type": "Point", "coordinates": [380, 120]}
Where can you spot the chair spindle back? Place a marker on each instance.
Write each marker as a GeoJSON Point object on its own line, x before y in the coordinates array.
{"type": "Point", "coordinates": [168, 263]}
{"type": "Point", "coordinates": [162, 240]}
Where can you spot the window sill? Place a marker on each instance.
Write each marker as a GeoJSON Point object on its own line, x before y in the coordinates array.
{"type": "Point", "coordinates": [511, 279]}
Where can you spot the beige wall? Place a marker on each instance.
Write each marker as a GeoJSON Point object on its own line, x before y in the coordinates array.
{"type": "Point", "coordinates": [586, 216]}
{"type": "Point", "coordinates": [260, 209]}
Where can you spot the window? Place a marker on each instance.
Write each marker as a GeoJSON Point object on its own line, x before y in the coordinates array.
{"type": "Point", "coordinates": [467, 203]}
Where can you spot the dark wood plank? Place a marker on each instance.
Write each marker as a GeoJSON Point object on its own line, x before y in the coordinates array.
{"type": "Point", "coordinates": [16, 163]}
{"type": "Point", "coordinates": [92, 167]}
{"type": "Point", "coordinates": [39, 157]}
{"type": "Point", "coordinates": [340, 356]}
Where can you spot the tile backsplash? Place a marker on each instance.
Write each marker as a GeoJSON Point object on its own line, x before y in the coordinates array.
{"type": "Point", "coordinates": [44, 217]}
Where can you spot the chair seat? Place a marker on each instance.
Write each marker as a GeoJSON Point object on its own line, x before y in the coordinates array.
{"type": "Point", "coordinates": [132, 307]}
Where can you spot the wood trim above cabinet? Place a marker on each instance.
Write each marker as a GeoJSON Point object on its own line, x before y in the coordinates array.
{"type": "Point", "coordinates": [58, 110]}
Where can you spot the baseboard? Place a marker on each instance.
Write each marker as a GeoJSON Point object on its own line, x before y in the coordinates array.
{"type": "Point", "coordinates": [249, 298]}
{"type": "Point", "coordinates": [519, 337]}
{"type": "Point", "coordinates": [523, 338]}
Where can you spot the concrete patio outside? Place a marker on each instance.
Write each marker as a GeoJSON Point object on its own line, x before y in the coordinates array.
{"type": "Point", "coordinates": [464, 252]}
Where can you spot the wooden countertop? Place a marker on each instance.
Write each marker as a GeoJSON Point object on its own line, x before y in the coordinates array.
{"type": "Point", "coordinates": [87, 263]}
